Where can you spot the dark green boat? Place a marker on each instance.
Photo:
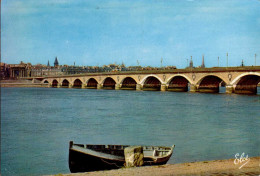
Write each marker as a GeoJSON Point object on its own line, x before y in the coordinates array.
{"type": "Point", "coordinates": [85, 158]}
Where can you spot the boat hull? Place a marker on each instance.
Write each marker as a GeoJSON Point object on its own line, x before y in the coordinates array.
{"type": "Point", "coordinates": [81, 162]}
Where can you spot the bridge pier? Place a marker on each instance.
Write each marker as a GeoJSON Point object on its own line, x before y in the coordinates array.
{"type": "Point", "coordinates": [70, 85]}
{"type": "Point", "coordinates": [163, 87]}
{"type": "Point", "coordinates": [59, 85]}
{"type": "Point", "coordinates": [99, 86]}
{"type": "Point", "coordinates": [193, 88]}
{"type": "Point", "coordinates": [117, 86]}
{"type": "Point", "coordinates": [229, 89]}
{"type": "Point", "coordinates": [139, 87]}
{"type": "Point", "coordinates": [83, 86]}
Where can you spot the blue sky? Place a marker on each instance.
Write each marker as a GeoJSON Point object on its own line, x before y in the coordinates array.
{"type": "Point", "coordinates": [100, 32]}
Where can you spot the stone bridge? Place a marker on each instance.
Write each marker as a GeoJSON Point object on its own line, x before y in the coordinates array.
{"type": "Point", "coordinates": [234, 79]}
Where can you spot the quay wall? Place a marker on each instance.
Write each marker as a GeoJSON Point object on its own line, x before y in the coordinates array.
{"type": "Point", "coordinates": [21, 83]}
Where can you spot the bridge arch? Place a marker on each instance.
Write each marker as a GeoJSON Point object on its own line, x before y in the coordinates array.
{"type": "Point", "coordinates": [54, 83]}
{"type": "Point", "coordinates": [147, 76]}
{"type": "Point", "coordinates": [109, 83]}
{"type": "Point", "coordinates": [65, 83]}
{"type": "Point", "coordinates": [182, 75]}
{"type": "Point", "coordinates": [77, 83]}
{"type": "Point", "coordinates": [92, 83]}
{"type": "Point", "coordinates": [246, 83]}
{"type": "Point", "coordinates": [152, 82]}
{"type": "Point", "coordinates": [210, 84]}
{"type": "Point", "coordinates": [128, 83]}
{"type": "Point", "coordinates": [72, 80]}
{"type": "Point", "coordinates": [178, 83]}
{"type": "Point", "coordinates": [45, 81]}
{"type": "Point", "coordinates": [235, 81]}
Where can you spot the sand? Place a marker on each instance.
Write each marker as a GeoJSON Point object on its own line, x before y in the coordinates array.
{"type": "Point", "coordinates": [216, 167]}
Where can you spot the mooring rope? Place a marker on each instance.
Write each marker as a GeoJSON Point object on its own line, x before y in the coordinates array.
{"type": "Point", "coordinates": [111, 163]}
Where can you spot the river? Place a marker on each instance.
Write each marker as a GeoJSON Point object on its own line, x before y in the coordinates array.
{"type": "Point", "coordinates": [38, 123]}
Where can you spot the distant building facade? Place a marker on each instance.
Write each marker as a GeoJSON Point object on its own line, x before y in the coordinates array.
{"type": "Point", "coordinates": [13, 71]}
{"type": "Point", "coordinates": [3, 71]}
{"type": "Point", "coordinates": [16, 71]}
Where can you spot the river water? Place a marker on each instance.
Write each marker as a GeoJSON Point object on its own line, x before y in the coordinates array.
{"type": "Point", "coordinates": [38, 123]}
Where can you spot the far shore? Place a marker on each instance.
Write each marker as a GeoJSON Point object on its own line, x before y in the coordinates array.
{"type": "Point", "coordinates": [21, 83]}
{"type": "Point", "coordinates": [216, 167]}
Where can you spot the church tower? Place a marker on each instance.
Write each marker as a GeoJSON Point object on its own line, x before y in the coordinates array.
{"type": "Point", "coordinates": [56, 63]}
{"type": "Point", "coordinates": [203, 64]}
{"type": "Point", "coordinates": [48, 64]}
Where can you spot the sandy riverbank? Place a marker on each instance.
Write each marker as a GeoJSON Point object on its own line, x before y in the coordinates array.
{"type": "Point", "coordinates": [216, 167]}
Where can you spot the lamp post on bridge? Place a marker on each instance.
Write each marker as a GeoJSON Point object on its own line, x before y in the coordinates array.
{"type": "Point", "coordinates": [227, 59]}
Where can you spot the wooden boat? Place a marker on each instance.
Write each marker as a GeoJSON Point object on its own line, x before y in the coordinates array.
{"type": "Point", "coordinates": [85, 158]}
